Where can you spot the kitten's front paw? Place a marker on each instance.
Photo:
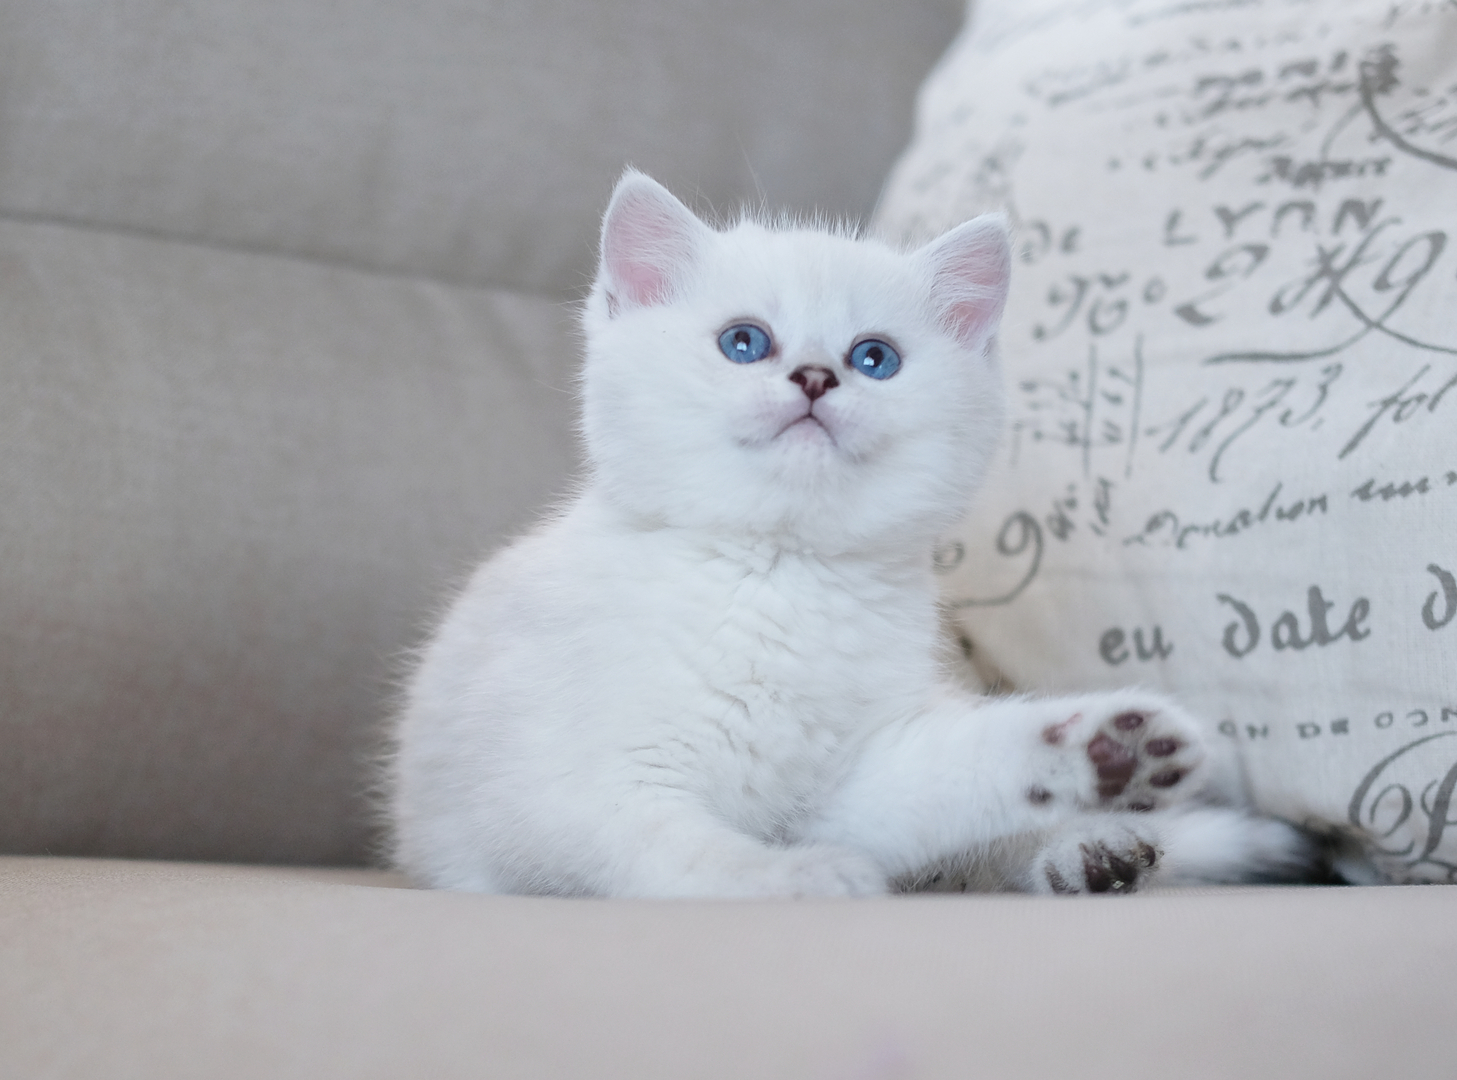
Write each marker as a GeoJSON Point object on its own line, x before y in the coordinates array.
{"type": "Point", "coordinates": [737, 869]}
{"type": "Point", "coordinates": [1094, 856]}
{"type": "Point", "coordinates": [1127, 751]}
{"type": "Point", "coordinates": [825, 871]}
{"type": "Point", "coordinates": [807, 870]}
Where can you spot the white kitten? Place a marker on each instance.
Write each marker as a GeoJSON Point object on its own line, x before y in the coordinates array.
{"type": "Point", "coordinates": [718, 672]}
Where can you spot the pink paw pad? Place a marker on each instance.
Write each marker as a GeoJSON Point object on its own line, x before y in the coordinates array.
{"type": "Point", "coordinates": [1129, 755]}
{"type": "Point", "coordinates": [1115, 763]}
{"type": "Point", "coordinates": [1054, 734]}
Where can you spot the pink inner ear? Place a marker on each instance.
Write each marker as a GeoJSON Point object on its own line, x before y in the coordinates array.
{"type": "Point", "coordinates": [972, 266]}
{"type": "Point", "coordinates": [647, 242]}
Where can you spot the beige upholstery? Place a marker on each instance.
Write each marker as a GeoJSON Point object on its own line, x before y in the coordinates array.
{"type": "Point", "coordinates": [142, 971]}
{"type": "Point", "coordinates": [472, 141]}
{"type": "Point", "coordinates": [235, 486]}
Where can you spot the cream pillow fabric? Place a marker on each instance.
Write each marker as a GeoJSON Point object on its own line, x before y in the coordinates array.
{"type": "Point", "coordinates": [1231, 352]}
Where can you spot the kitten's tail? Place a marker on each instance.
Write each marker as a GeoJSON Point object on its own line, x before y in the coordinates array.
{"type": "Point", "coordinates": [1215, 845]}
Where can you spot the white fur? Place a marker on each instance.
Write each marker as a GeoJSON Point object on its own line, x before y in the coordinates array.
{"type": "Point", "coordinates": [716, 672]}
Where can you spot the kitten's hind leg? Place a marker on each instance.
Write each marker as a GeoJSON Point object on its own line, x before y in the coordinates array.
{"type": "Point", "coordinates": [1089, 853]}
{"type": "Point", "coordinates": [1188, 845]}
{"type": "Point", "coordinates": [1121, 852]}
{"type": "Point", "coordinates": [1206, 845]}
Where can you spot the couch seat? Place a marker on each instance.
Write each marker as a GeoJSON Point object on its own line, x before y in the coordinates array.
{"type": "Point", "coordinates": [121, 969]}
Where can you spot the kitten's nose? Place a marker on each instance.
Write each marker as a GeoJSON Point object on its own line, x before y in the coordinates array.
{"type": "Point", "coordinates": [814, 380]}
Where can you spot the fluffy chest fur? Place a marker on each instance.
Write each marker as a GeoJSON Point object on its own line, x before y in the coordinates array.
{"type": "Point", "coordinates": [744, 675]}
{"type": "Point", "coordinates": [789, 660]}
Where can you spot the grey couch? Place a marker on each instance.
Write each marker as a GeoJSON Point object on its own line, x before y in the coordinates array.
{"type": "Point", "coordinates": [286, 334]}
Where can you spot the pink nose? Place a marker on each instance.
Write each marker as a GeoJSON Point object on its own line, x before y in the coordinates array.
{"type": "Point", "coordinates": [814, 381]}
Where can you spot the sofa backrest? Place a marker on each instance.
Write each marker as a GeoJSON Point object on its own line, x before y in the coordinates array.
{"type": "Point", "coordinates": [470, 142]}
{"type": "Point", "coordinates": [287, 341]}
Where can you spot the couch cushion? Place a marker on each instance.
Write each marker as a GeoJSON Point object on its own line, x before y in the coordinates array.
{"type": "Point", "coordinates": [155, 971]}
{"type": "Point", "coordinates": [235, 488]}
{"type": "Point", "coordinates": [476, 142]}
{"type": "Point", "coordinates": [1231, 354]}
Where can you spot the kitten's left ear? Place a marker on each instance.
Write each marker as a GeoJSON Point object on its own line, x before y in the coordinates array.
{"type": "Point", "coordinates": [970, 268]}
{"type": "Point", "coordinates": [649, 241]}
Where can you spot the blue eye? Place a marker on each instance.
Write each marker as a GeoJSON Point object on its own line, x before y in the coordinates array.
{"type": "Point", "coordinates": [744, 343]}
{"type": "Point", "coordinates": [875, 358]}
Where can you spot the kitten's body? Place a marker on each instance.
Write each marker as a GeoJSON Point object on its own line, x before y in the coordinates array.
{"type": "Point", "coordinates": [717, 672]}
{"type": "Point", "coordinates": [629, 672]}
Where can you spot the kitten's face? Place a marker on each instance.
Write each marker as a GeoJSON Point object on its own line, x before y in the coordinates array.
{"type": "Point", "coordinates": [798, 384]}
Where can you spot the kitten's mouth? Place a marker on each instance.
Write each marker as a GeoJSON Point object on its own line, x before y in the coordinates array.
{"type": "Point", "coordinates": [811, 420]}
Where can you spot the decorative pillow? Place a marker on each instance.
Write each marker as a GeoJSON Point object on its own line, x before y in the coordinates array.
{"type": "Point", "coordinates": [1231, 352]}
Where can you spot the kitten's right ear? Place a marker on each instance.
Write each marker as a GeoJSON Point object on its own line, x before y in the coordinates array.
{"type": "Point", "coordinates": [970, 269]}
{"type": "Point", "coordinates": [649, 240]}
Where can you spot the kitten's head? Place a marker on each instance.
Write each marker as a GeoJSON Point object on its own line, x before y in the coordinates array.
{"type": "Point", "coordinates": [790, 383]}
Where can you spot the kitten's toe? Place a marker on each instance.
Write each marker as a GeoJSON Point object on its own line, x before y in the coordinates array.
{"type": "Point", "coordinates": [1094, 857]}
